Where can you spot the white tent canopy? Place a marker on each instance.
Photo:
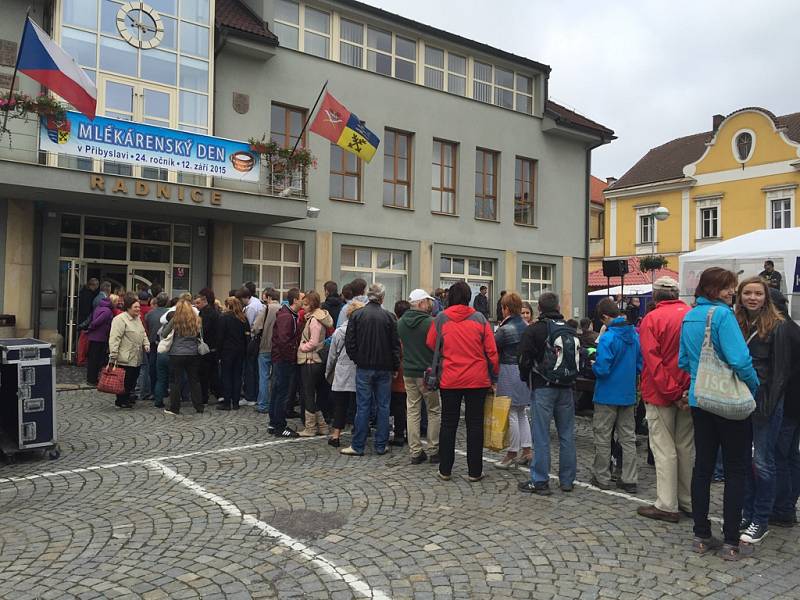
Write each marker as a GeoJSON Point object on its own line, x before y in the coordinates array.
{"type": "Point", "coordinates": [745, 255]}
{"type": "Point", "coordinates": [630, 290]}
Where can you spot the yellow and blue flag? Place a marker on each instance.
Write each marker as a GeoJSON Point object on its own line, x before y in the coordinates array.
{"type": "Point", "coordinates": [337, 124]}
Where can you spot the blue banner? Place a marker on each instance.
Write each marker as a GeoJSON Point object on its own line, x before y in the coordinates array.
{"type": "Point", "coordinates": [148, 146]}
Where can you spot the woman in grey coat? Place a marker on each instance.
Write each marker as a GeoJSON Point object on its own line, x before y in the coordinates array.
{"type": "Point", "coordinates": [507, 338]}
{"type": "Point", "coordinates": [341, 372]}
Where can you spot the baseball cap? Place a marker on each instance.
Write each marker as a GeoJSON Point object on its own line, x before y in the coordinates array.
{"type": "Point", "coordinates": [665, 283]}
{"type": "Point", "coordinates": [418, 294]}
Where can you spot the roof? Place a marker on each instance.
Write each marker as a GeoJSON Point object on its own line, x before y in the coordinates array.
{"type": "Point", "coordinates": [596, 187]}
{"type": "Point", "coordinates": [446, 35]}
{"type": "Point", "coordinates": [666, 162]}
{"type": "Point", "coordinates": [236, 16]}
{"type": "Point", "coordinates": [634, 276]}
{"type": "Point", "coordinates": [760, 245]}
{"type": "Point", "coordinates": [569, 118]}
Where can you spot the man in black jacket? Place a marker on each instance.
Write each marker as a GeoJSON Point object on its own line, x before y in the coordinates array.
{"type": "Point", "coordinates": [333, 301]}
{"type": "Point", "coordinates": [548, 401]}
{"type": "Point", "coordinates": [481, 302]}
{"type": "Point", "coordinates": [373, 344]}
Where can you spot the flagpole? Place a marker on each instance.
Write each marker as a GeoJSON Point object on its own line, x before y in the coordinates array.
{"type": "Point", "coordinates": [310, 114]}
{"type": "Point", "coordinates": [16, 67]}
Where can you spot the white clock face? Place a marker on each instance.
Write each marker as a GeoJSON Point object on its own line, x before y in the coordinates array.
{"type": "Point", "coordinates": [140, 25]}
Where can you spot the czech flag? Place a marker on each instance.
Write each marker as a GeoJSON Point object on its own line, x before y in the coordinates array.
{"type": "Point", "coordinates": [41, 59]}
{"type": "Point", "coordinates": [337, 124]}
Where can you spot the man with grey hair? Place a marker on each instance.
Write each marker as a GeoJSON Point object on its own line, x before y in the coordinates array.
{"type": "Point", "coordinates": [373, 345]}
{"type": "Point", "coordinates": [412, 329]}
{"type": "Point", "coordinates": [664, 390]}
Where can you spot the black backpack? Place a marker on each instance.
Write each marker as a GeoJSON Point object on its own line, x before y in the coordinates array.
{"type": "Point", "coordinates": [561, 361]}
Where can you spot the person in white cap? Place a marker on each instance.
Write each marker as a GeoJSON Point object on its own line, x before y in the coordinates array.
{"type": "Point", "coordinates": [413, 329]}
{"type": "Point", "coordinates": [664, 388]}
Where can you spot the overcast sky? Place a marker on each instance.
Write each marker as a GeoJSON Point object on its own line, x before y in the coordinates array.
{"type": "Point", "coordinates": [651, 70]}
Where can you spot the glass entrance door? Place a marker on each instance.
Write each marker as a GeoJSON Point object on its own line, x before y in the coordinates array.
{"type": "Point", "coordinates": [71, 276]}
{"type": "Point", "coordinates": [145, 277]}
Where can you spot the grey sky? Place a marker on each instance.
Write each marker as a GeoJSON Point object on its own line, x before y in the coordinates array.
{"type": "Point", "coordinates": [651, 70]}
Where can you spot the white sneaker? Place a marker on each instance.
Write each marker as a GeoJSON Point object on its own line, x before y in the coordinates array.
{"type": "Point", "coordinates": [246, 403]}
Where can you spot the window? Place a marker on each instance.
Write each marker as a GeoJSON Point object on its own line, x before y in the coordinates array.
{"type": "Point", "coordinates": [287, 23]}
{"type": "Point", "coordinates": [482, 82]}
{"type": "Point", "coordinates": [524, 174]}
{"type": "Point", "coordinates": [397, 169]}
{"type": "Point", "coordinates": [709, 222]}
{"type": "Point", "coordinates": [475, 271]}
{"type": "Point", "coordinates": [345, 175]}
{"type": "Point", "coordinates": [443, 171]}
{"type": "Point", "coordinates": [272, 263]}
{"type": "Point", "coordinates": [379, 51]}
{"type": "Point", "coordinates": [503, 88]}
{"type": "Point", "coordinates": [781, 213]}
{"type": "Point", "coordinates": [646, 233]}
{"type": "Point", "coordinates": [317, 32]}
{"type": "Point", "coordinates": [434, 68]}
{"type": "Point", "coordinates": [286, 123]}
{"type": "Point", "coordinates": [388, 267]}
{"type": "Point", "coordinates": [405, 61]}
{"type": "Point", "coordinates": [744, 146]}
{"type": "Point", "coordinates": [486, 184]}
{"type": "Point", "coordinates": [536, 279]}
{"type": "Point", "coordinates": [351, 44]}
{"type": "Point", "coordinates": [456, 74]}
{"type": "Point", "coordinates": [524, 94]}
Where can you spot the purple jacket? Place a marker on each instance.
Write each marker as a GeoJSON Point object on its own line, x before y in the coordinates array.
{"type": "Point", "coordinates": [100, 327]}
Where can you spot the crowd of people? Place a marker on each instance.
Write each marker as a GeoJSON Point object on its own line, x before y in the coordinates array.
{"type": "Point", "coordinates": [398, 375]}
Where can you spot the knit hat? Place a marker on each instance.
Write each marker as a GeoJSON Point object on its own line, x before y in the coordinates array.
{"type": "Point", "coordinates": [665, 283]}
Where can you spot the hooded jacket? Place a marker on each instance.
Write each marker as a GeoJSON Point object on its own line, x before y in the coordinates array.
{"type": "Point", "coordinates": [286, 335]}
{"type": "Point", "coordinates": [663, 383]}
{"type": "Point", "coordinates": [371, 340]}
{"type": "Point", "coordinates": [413, 329]}
{"type": "Point", "coordinates": [618, 362]}
{"type": "Point", "coordinates": [100, 327]}
{"type": "Point", "coordinates": [469, 353]}
{"type": "Point", "coordinates": [333, 304]}
{"type": "Point", "coordinates": [313, 337]}
{"type": "Point", "coordinates": [340, 364]}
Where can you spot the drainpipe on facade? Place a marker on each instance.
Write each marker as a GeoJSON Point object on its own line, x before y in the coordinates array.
{"type": "Point", "coordinates": [588, 224]}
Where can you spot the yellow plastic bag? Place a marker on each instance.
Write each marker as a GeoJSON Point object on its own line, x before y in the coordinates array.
{"type": "Point", "coordinates": [495, 422]}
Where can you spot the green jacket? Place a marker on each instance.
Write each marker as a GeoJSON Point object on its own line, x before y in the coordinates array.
{"type": "Point", "coordinates": [413, 329]}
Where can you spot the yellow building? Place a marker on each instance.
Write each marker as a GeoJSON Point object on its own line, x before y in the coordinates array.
{"type": "Point", "coordinates": [740, 177]}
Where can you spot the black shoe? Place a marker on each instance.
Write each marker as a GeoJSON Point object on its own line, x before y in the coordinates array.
{"type": "Point", "coordinates": [603, 486]}
{"type": "Point", "coordinates": [686, 513]}
{"type": "Point", "coordinates": [121, 404]}
{"type": "Point", "coordinates": [381, 452]}
{"type": "Point", "coordinates": [567, 488]}
{"type": "Point", "coordinates": [542, 489]}
{"type": "Point", "coordinates": [288, 433]}
{"type": "Point", "coordinates": [744, 524]}
{"type": "Point", "coordinates": [434, 459]}
{"type": "Point", "coordinates": [398, 442]}
{"type": "Point", "coordinates": [234, 406]}
{"type": "Point", "coordinates": [754, 534]}
{"type": "Point", "coordinates": [270, 430]}
{"type": "Point", "coordinates": [334, 442]}
{"type": "Point", "coordinates": [292, 414]}
{"type": "Point", "coordinates": [158, 404]}
{"type": "Point", "coordinates": [627, 487]}
{"type": "Point", "coordinates": [419, 459]}
{"type": "Point", "coordinates": [223, 406]}
{"type": "Point", "coordinates": [782, 521]}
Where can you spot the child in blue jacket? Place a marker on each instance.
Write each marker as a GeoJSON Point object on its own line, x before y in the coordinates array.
{"type": "Point", "coordinates": [618, 363]}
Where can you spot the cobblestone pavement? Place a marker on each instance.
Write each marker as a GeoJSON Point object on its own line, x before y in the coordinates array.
{"type": "Point", "coordinates": [208, 506]}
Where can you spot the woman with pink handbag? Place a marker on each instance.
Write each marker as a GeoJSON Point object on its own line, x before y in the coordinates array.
{"type": "Point", "coordinates": [127, 346]}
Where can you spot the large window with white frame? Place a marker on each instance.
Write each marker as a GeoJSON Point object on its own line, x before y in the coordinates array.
{"type": "Point", "coordinates": [780, 205]}
{"type": "Point", "coordinates": [708, 218]}
{"type": "Point", "coordinates": [536, 279]}
{"type": "Point", "coordinates": [476, 272]}
{"type": "Point", "coordinates": [351, 43]}
{"type": "Point", "coordinates": [781, 211]}
{"type": "Point", "coordinates": [646, 228]}
{"type": "Point", "coordinates": [272, 263]}
{"type": "Point", "coordinates": [445, 71]}
{"type": "Point", "coordinates": [293, 18]}
{"type": "Point", "coordinates": [389, 267]}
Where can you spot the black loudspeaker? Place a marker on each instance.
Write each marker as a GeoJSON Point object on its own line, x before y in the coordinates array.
{"type": "Point", "coordinates": [615, 268]}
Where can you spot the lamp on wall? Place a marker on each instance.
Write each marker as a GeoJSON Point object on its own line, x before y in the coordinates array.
{"type": "Point", "coordinates": [312, 212]}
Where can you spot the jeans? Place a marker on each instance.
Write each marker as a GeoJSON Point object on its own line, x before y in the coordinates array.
{"type": "Point", "coordinates": [232, 378]}
{"type": "Point", "coordinates": [787, 465]}
{"type": "Point", "coordinates": [759, 488]}
{"type": "Point", "coordinates": [548, 403]}
{"type": "Point", "coordinates": [250, 378]}
{"type": "Point", "coordinates": [711, 432]}
{"type": "Point", "coordinates": [283, 373]}
{"type": "Point", "coordinates": [474, 399]}
{"type": "Point", "coordinates": [143, 383]}
{"type": "Point", "coordinates": [188, 365]}
{"type": "Point", "coordinates": [372, 386]}
{"type": "Point", "coordinates": [162, 379]}
{"type": "Point", "coordinates": [152, 360]}
{"type": "Point", "coordinates": [264, 380]}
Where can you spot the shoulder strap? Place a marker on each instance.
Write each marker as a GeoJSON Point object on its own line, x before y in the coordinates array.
{"type": "Point", "coordinates": [707, 335]}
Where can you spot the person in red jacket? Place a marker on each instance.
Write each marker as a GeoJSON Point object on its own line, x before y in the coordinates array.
{"type": "Point", "coordinates": [469, 365]}
{"type": "Point", "coordinates": [664, 389]}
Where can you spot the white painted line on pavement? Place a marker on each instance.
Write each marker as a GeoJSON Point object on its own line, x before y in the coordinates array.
{"type": "Point", "coordinates": [327, 566]}
{"type": "Point", "coordinates": [140, 461]}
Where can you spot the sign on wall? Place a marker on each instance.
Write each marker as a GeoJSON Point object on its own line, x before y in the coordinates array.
{"type": "Point", "coordinates": [148, 146]}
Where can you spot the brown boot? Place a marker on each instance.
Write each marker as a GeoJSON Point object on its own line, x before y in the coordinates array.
{"type": "Point", "coordinates": [651, 512]}
{"type": "Point", "coordinates": [311, 425]}
{"type": "Point", "coordinates": [322, 426]}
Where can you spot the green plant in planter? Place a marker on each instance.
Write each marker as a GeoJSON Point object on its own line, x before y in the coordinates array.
{"type": "Point", "coordinates": [652, 263]}
{"type": "Point", "coordinates": [21, 106]}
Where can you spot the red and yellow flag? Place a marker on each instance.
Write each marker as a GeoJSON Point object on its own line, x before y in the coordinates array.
{"type": "Point", "coordinates": [337, 124]}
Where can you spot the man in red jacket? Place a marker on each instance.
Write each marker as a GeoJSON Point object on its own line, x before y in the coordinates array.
{"type": "Point", "coordinates": [669, 421]}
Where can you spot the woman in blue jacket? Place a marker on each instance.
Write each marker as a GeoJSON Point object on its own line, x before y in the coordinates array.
{"type": "Point", "coordinates": [715, 291]}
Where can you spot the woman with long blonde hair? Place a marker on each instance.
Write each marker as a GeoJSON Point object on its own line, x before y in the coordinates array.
{"type": "Point", "coordinates": [233, 334]}
{"type": "Point", "coordinates": [184, 358]}
{"type": "Point", "coordinates": [770, 348]}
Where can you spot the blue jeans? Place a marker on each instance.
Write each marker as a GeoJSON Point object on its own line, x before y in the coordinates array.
{"type": "Point", "coordinates": [759, 491]}
{"type": "Point", "coordinates": [152, 359]}
{"type": "Point", "coordinates": [250, 378]}
{"type": "Point", "coordinates": [264, 380]}
{"type": "Point", "coordinates": [372, 386]}
{"type": "Point", "coordinates": [282, 373]}
{"type": "Point", "coordinates": [143, 383]}
{"type": "Point", "coordinates": [162, 379]}
{"type": "Point", "coordinates": [787, 466]}
{"type": "Point", "coordinates": [548, 403]}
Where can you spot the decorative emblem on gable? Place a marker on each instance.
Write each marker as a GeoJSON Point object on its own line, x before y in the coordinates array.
{"type": "Point", "coordinates": [241, 103]}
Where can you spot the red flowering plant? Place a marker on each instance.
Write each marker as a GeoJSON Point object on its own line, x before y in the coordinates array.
{"type": "Point", "coordinates": [21, 106]}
